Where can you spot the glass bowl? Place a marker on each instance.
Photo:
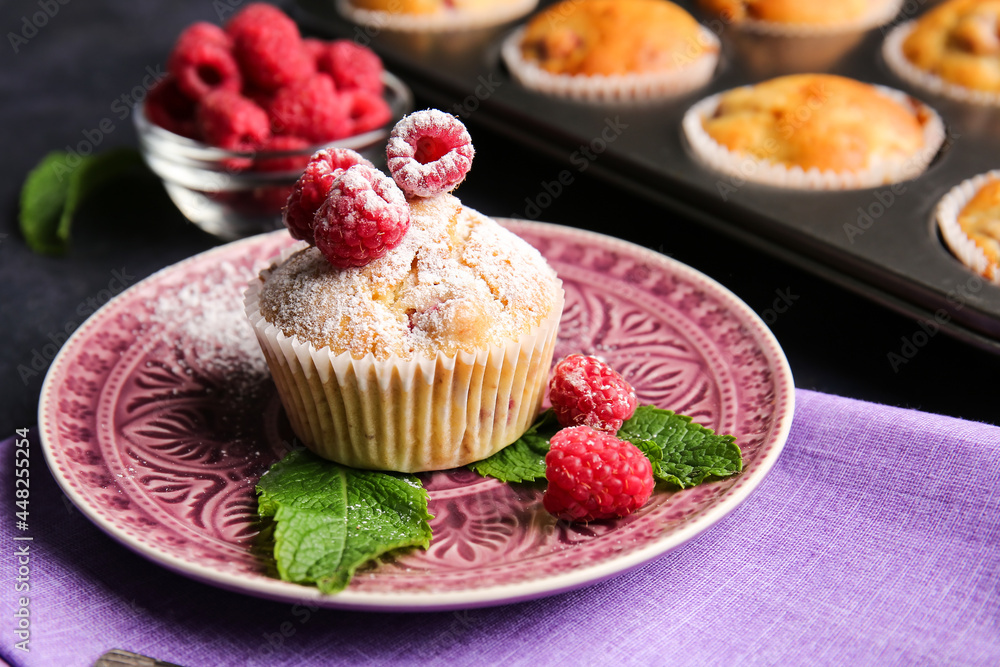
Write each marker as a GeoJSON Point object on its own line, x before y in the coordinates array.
{"type": "Point", "coordinates": [234, 194]}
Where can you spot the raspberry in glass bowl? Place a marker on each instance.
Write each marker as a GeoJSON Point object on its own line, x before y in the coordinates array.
{"type": "Point", "coordinates": [244, 106]}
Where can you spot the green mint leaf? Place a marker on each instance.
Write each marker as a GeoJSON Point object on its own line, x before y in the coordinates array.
{"type": "Point", "coordinates": [688, 453]}
{"type": "Point", "coordinates": [524, 459]}
{"type": "Point", "coordinates": [55, 188]}
{"type": "Point", "coordinates": [330, 519]}
{"type": "Point", "coordinates": [385, 511]}
{"type": "Point", "coordinates": [652, 451]}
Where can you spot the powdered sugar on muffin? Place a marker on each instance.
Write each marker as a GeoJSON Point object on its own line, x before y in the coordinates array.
{"type": "Point", "coordinates": [457, 281]}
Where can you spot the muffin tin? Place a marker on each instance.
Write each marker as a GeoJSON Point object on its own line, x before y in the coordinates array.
{"type": "Point", "coordinates": [881, 242]}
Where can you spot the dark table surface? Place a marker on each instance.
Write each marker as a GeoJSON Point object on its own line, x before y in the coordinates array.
{"type": "Point", "coordinates": [67, 66]}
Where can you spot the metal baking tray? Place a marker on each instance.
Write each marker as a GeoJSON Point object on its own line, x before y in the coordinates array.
{"type": "Point", "coordinates": [882, 242]}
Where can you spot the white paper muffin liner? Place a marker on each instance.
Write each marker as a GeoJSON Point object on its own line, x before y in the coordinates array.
{"type": "Point", "coordinates": [963, 247]}
{"type": "Point", "coordinates": [878, 14]}
{"type": "Point", "coordinates": [892, 52]}
{"type": "Point", "coordinates": [613, 88]}
{"type": "Point", "coordinates": [428, 413]}
{"type": "Point", "coordinates": [448, 21]}
{"type": "Point", "coordinates": [746, 167]}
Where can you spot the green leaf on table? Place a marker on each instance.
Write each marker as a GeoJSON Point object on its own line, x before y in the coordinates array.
{"type": "Point", "coordinates": [331, 519]}
{"type": "Point", "coordinates": [524, 459]}
{"type": "Point", "coordinates": [682, 452]}
{"type": "Point", "coordinates": [55, 188]}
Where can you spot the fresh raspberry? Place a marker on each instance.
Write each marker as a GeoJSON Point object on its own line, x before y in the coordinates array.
{"type": "Point", "coordinates": [295, 161]}
{"type": "Point", "coordinates": [429, 152]}
{"type": "Point", "coordinates": [256, 13]}
{"type": "Point", "coordinates": [367, 111]}
{"type": "Point", "coordinates": [311, 109]}
{"type": "Point", "coordinates": [268, 47]}
{"type": "Point", "coordinates": [203, 67]}
{"type": "Point", "coordinates": [202, 61]}
{"type": "Point", "coordinates": [316, 48]}
{"type": "Point", "coordinates": [260, 97]}
{"type": "Point", "coordinates": [171, 109]}
{"type": "Point", "coordinates": [313, 187]}
{"type": "Point", "coordinates": [585, 390]}
{"type": "Point", "coordinates": [365, 216]}
{"type": "Point", "coordinates": [229, 120]}
{"type": "Point", "coordinates": [594, 475]}
{"type": "Point", "coordinates": [352, 66]}
{"type": "Point", "coordinates": [202, 31]}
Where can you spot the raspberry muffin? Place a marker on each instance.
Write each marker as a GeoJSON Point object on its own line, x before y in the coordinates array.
{"type": "Point", "coordinates": [814, 131]}
{"type": "Point", "coordinates": [952, 50]}
{"type": "Point", "coordinates": [433, 15]}
{"type": "Point", "coordinates": [802, 16]}
{"type": "Point", "coordinates": [969, 219]}
{"type": "Point", "coordinates": [778, 37]}
{"type": "Point", "coordinates": [414, 333]}
{"type": "Point", "coordinates": [612, 50]}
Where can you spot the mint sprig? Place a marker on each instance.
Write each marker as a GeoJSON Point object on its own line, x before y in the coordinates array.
{"type": "Point", "coordinates": [330, 519]}
{"type": "Point", "coordinates": [683, 453]}
{"type": "Point", "coordinates": [55, 188]}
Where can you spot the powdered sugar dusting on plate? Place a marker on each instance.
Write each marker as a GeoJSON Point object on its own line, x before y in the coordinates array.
{"type": "Point", "coordinates": [205, 320]}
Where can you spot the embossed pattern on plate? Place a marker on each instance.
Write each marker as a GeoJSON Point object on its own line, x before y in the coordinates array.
{"type": "Point", "coordinates": [158, 416]}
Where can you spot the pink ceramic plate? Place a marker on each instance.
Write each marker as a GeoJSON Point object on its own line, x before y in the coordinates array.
{"type": "Point", "coordinates": [158, 417]}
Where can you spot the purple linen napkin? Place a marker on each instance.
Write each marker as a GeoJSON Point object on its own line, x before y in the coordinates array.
{"type": "Point", "coordinates": [873, 541]}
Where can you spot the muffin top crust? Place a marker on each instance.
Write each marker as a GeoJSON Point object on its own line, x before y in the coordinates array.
{"type": "Point", "coordinates": [980, 220]}
{"type": "Point", "coordinates": [427, 6]}
{"type": "Point", "coordinates": [613, 37]}
{"type": "Point", "coordinates": [797, 12]}
{"type": "Point", "coordinates": [959, 41]}
{"type": "Point", "coordinates": [457, 281]}
{"type": "Point", "coordinates": [819, 121]}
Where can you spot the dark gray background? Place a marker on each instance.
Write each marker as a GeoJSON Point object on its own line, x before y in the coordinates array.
{"type": "Point", "coordinates": [72, 72]}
